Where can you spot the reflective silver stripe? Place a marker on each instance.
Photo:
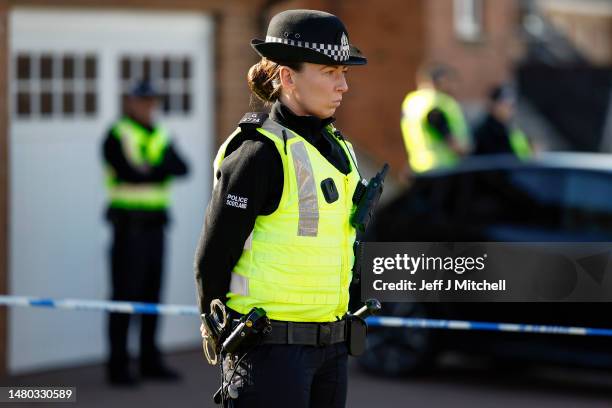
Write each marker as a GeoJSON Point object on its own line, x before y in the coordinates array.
{"type": "Point", "coordinates": [248, 244]}
{"type": "Point", "coordinates": [150, 192]}
{"type": "Point", "coordinates": [239, 284]}
{"type": "Point", "coordinates": [273, 127]}
{"type": "Point", "coordinates": [308, 223]}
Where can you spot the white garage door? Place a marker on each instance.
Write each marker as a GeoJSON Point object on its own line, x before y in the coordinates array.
{"type": "Point", "coordinates": [69, 69]}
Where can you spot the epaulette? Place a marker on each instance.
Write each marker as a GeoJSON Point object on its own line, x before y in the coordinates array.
{"type": "Point", "coordinates": [253, 119]}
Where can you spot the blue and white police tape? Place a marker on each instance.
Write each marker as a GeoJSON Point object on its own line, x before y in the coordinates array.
{"type": "Point", "coordinates": [106, 306]}
{"type": "Point", "coordinates": [375, 321]}
{"type": "Point", "coordinates": [384, 321]}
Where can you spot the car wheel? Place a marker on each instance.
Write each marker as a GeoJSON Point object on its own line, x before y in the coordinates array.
{"type": "Point", "coordinates": [402, 351]}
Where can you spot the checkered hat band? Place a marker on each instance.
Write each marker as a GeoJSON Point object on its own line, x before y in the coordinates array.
{"type": "Point", "coordinates": [334, 51]}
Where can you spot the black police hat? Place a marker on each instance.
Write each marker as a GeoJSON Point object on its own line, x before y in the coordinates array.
{"type": "Point", "coordinates": [143, 89]}
{"type": "Point", "coordinates": [502, 92]}
{"type": "Point", "coordinates": [308, 36]}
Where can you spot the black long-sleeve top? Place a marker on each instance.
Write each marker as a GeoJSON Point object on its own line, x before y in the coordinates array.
{"type": "Point", "coordinates": [252, 169]}
{"type": "Point", "coordinates": [171, 165]}
{"type": "Point", "coordinates": [492, 137]}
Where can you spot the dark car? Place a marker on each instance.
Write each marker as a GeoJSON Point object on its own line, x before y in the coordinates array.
{"type": "Point", "coordinates": [558, 197]}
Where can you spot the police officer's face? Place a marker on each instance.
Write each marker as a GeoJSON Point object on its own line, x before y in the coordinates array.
{"type": "Point", "coordinates": [142, 109]}
{"type": "Point", "coordinates": [504, 109]}
{"type": "Point", "coordinates": [315, 90]}
{"type": "Point", "coordinates": [447, 84]}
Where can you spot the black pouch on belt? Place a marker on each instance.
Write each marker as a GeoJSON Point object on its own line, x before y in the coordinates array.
{"type": "Point", "coordinates": [356, 332]}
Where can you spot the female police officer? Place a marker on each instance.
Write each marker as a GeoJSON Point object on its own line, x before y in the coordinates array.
{"type": "Point", "coordinates": [277, 233]}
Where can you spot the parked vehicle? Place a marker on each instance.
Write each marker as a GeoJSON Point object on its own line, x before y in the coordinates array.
{"type": "Point", "coordinates": [557, 197]}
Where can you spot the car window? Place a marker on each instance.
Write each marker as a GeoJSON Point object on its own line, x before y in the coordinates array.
{"type": "Point", "coordinates": [425, 211]}
{"type": "Point", "coordinates": [588, 202]}
{"type": "Point", "coordinates": [531, 197]}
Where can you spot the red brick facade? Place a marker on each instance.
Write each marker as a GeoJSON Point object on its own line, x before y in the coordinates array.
{"type": "Point", "coordinates": [483, 63]}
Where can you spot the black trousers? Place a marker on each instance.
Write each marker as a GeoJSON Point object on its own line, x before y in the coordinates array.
{"type": "Point", "coordinates": [136, 272]}
{"type": "Point", "coordinates": [292, 376]}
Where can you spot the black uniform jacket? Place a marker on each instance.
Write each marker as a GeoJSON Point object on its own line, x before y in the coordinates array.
{"type": "Point", "coordinates": [492, 137]}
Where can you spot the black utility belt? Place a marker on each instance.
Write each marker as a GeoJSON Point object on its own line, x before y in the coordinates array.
{"type": "Point", "coordinates": [306, 334]}
{"type": "Point", "coordinates": [351, 329]}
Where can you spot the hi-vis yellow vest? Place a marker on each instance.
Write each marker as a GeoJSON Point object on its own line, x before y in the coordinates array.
{"type": "Point", "coordinates": [141, 150]}
{"type": "Point", "coordinates": [297, 263]}
{"type": "Point", "coordinates": [425, 146]}
{"type": "Point", "coordinates": [520, 144]}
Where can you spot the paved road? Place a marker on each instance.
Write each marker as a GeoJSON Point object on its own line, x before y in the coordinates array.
{"type": "Point", "coordinates": [455, 384]}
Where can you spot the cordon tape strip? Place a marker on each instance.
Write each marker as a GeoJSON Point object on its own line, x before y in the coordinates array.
{"type": "Point", "coordinates": [376, 321]}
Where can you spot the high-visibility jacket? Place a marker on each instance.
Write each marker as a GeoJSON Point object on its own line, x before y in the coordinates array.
{"type": "Point", "coordinates": [141, 149]}
{"type": "Point", "coordinates": [426, 147]}
{"type": "Point", "coordinates": [520, 144]}
{"type": "Point", "coordinates": [297, 262]}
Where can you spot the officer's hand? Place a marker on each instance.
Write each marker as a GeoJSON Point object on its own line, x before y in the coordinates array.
{"type": "Point", "coordinates": [457, 148]}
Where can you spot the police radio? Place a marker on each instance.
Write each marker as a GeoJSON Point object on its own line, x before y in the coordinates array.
{"type": "Point", "coordinates": [357, 329]}
{"type": "Point", "coordinates": [365, 199]}
{"type": "Point", "coordinates": [250, 325]}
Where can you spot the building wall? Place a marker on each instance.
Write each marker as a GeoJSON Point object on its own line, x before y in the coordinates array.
{"type": "Point", "coordinates": [4, 177]}
{"type": "Point", "coordinates": [394, 44]}
{"type": "Point", "coordinates": [236, 23]}
{"type": "Point", "coordinates": [480, 63]}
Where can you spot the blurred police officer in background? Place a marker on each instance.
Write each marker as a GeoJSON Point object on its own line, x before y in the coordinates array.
{"type": "Point", "coordinates": [140, 162]}
{"type": "Point", "coordinates": [433, 126]}
{"type": "Point", "coordinates": [497, 133]}
{"type": "Point", "coordinates": [277, 233]}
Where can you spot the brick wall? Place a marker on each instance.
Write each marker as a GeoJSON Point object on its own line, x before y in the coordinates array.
{"type": "Point", "coordinates": [390, 33]}
{"type": "Point", "coordinates": [483, 63]}
{"type": "Point", "coordinates": [237, 25]}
